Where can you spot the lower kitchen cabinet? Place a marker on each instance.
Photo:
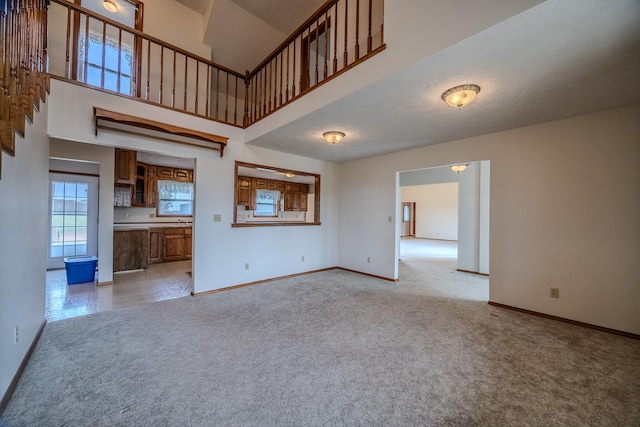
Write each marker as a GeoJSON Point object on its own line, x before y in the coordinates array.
{"type": "Point", "coordinates": [170, 244]}
{"type": "Point", "coordinates": [130, 250]}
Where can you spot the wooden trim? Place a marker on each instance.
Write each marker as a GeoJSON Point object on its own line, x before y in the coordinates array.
{"type": "Point", "coordinates": [244, 285]}
{"type": "Point", "coordinates": [25, 360]}
{"type": "Point", "coordinates": [110, 282]}
{"type": "Point", "coordinates": [565, 320]}
{"type": "Point", "coordinates": [125, 119]}
{"type": "Point", "coordinates": [472, 272]}
{"type": "Point", "coordinates": [74, 173]}
{"type": "Point", "coordinates": [367, 274]}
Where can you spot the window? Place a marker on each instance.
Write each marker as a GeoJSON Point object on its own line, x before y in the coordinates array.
{"type": "Point", "coordinates": [175, 198]}
{"type": "Point", "coordinates": [267, 203]}
{"type": "Point", "coordinates": [106, 55]}
{"type": "Point", "coordinates": [69, 201]}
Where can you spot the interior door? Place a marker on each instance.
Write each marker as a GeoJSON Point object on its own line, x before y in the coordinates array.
{"type": "Point", "coordinates": [73, 217]}
{"type": "Point", "coordinates": [408, 228]}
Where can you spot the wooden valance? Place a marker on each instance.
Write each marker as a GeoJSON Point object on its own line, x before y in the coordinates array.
{"type": "Point", "coordinates": [122, 122]}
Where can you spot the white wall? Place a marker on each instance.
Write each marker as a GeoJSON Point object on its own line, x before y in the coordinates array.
{"type": "Point", "coordinates": [105, 157]}
{"type": "Point", "coordinates": [564, 206]}
{"type": "Point", "coordinates": [23, 246]}
{"type": "Point", "coordinates": [220, 251]}
{"type": "Point", "coordinates": [436, 210]}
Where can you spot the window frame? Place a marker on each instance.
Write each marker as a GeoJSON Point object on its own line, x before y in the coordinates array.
{"type": "Point", "coordinates": [160, 199]}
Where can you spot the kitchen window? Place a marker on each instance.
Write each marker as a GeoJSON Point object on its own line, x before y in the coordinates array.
{"type": "Point", "coordinates": [175, 198]}
{"type": "Point", "coordinates": [267, 203]}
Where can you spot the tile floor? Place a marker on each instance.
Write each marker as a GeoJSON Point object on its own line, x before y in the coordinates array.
{"type": "Point", "coordinates": [158, 282]}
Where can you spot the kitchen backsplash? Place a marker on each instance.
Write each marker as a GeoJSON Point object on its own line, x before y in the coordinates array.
{"type": "Point", "coordinates": [143, 215]}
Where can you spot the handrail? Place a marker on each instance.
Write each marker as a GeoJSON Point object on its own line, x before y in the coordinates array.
{"type": "Point", "coordinates": [323, 47]}
{"type": "Point", "coordinates": [146, 36]}
{"type": "Point", "coordinates": [103, 53]}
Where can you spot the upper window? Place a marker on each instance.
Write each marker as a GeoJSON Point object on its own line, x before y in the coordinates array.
{"type": "Point", "coordinates": [175, 198]}
{"type": "Point", "coordinates": [107, 56]}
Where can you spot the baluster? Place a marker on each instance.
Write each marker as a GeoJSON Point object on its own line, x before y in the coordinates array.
{"type": "Point", "coordinates": [245, 119]}
{"type": "Point", "coordinates": [86, 49]}
{"type": "Point", "coordinates": [235, 104]}
{"type": "Point", "coordinates": [268, 89]}
{"type": "Point", "coordinates": [217, 92]}
{"type": "Point", "coordinates": [207, 106]}
{"type": "Point", "coordinates": [357, 46]}
{"type": "Point", "coordinates": [293, 76]}
{"type": "Point", "coordinates": [264, 95]}
{"type": "Point", "coordinates": [326, 43]}
{"type": "Point", "coordinates": [335, 39]}
{"type": "Point", "coordinates": [186, 78]}
{"type": "Point", "coordinates": [161, 100]}
{"type": "Point", "coordinates": [197, 84]}
{"type": "Point", "coordinates": [317, 48]}
{"type": "Point", "coordinates": [286, 92]}
{"type": "Point", "coordinates": [104, 48]}
{"type": "Point", "coordinates": [345, 59]}
{"type": "Point", "coordinates": [369, 38]}
{"type": "Point", "coordinates": [148, 68]}
{"type": "Point", "coordinates": [281, 72]}
{"type": "Point", "coordinates": [173, 86]}
{"type": "Point", "coordinates": [226, 101]}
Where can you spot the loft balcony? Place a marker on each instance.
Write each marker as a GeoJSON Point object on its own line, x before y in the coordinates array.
{"type": "Point", "coordinates": [90, 49]}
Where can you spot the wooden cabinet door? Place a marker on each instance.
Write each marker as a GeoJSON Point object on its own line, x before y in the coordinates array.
{"type": "Point", "coordinates": [173, 244]}
{"type": "Point", "coordinates": [246, 192]}
{"type": "Point", "coordinates": [140, 188]}
{"type": "Point", "coordinates": [152, 186]}
{"type": "Point", "coordinates": [125, 166]}
{"type": "Point", "coordinates": [155, 245]}
{"type": "Point", "coordinates": [165, 172]}
{"type": "Point", "coordinates": [188, 243]}
{"type": "Point", "coordinates": [181, 174]}
{"type": "Point", "coordinates": [130, 250]}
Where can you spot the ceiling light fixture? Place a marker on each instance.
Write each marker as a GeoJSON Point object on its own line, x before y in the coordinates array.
{"type": "Point", "coordinates": [460, 96]}
{"type": "Point", "coordinates": [333, 136]}
{"type": "Point", "coordinates": [459, 168]}
{"type": "Point", "coordinates": [110, 6]}
{"type": "Point", "coordinates": [289, 175]}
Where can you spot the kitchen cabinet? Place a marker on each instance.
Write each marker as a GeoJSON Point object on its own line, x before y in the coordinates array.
{"type": "Point", "coordinates": [188, 242]}
{"type": "Point", "coordinates": [175, 174]}
{"type": "Point", "coordinates": [295, 196]}
{"type": "Point", "coordinates": [130, 249]}
{"type": "Point", "coordinates": [140, 188]}
{"type": "Point", "coordinates": [155, 245]}
{"type": "Point", "coordinates": [152, 186]}
{"type": "Point", "coordinates": [125, 166]}
{"type": "Point", "coordinates": [173, 244]}
{"type": "Point", "coordinates": [246, 192]}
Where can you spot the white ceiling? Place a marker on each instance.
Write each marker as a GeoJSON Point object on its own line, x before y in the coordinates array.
{"type": "Point", "coordinates": [559, 59]}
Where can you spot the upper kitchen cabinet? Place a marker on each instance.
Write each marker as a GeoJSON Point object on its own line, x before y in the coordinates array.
{"type": "Point", "coordinates": [125, 166]}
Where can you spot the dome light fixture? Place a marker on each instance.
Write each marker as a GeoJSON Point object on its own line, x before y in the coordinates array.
{"type": "Point", "coordinates": [110, 6]}
{"type": "Point", "coordinates": [459, 168]}
{"type": "Point", "coordinates": [333, 136]}
{"type": "Point", "coordinates": [289, 175]}
{"type": "Point", "coordinates": [460, 96]}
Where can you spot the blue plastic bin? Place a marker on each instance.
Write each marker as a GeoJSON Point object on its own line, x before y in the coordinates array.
{"type": "Point", "coordinates": [80, 269]}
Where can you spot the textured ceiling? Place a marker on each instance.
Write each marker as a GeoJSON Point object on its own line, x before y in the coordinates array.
{"type": "Point", "coordinates": [553, 61]}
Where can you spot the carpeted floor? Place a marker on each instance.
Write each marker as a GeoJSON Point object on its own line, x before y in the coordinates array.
{"type": "Point", "coordinates": [332, 348]}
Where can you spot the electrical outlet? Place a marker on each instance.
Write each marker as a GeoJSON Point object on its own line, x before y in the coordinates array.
{"type": "Point", "coordinates": [368, 259]}
{"type": "Point", "coordinates": [15, 335]}
{"type": "Point", "coordinates": [128, 214]}
{"type": "Point", "coordinates": [389, 218]}
{"type": "Point", "coordinates": [246, 265]}
{"type": "Point", "coordinates": [302, 258]}
{"type": "Point", "coordinates": [217, 217]}
{"type": "Point", "coordinates": [554, 293]}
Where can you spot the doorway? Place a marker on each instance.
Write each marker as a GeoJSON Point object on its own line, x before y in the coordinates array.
{"type": "Point", "coordinates": [73, 217]}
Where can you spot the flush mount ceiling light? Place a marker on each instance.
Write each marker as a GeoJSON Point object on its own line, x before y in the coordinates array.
{"type": "Point", "coordinates": [460, 96]}
{"type": "Point", "coordinates": [459, 168]}
{"type": "Point", "coordinates": [289, 175]}
{"type": "Point", "coordinates": [333, 136]}
{"type": "Point", "coordinates": [110, 6]}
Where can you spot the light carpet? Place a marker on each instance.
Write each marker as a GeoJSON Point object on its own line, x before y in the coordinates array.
{"type": "Point", "coordinates": [331, 348]}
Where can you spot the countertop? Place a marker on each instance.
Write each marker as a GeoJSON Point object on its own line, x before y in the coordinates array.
{"type": "Point", "coordinates": [148, 225]}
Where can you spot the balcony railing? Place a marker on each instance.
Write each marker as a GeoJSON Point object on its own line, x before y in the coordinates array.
{"type": "Point", "coordinates": [93, 50]}
{"type": "Point", "coordinates": [340, 35]}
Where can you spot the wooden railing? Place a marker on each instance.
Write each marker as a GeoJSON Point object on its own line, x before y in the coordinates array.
{"type": "Point", "coordinates": [23, 83]}
{"type": "Point", "coordinates": [94, 50]}
{"type": "Point", "coordinates": [340, 35]}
